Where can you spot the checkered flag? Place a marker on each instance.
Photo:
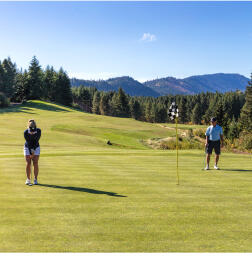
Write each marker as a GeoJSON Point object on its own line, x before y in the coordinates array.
{"type": "Point", "coordinates": [173, 111]}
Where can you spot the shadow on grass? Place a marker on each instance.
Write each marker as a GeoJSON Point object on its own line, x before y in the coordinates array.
{"type": "Point", "coordinates": [79, 189]}
{"type": "Point", "coordinates": [239, 170]}
{"type": "Point", "coordinates": [19, 108]}
{"type": "Point", "coordinates": [27, 107]}
{"type": "Point", "coordinates": [48, 107]}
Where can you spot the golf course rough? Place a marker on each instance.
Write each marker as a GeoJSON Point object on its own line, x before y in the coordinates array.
{"type": "Point", "coordinates": [97, 197]}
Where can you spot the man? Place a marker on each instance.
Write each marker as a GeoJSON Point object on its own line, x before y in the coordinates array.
{"type": "Point", "coordinates": [214, 135]}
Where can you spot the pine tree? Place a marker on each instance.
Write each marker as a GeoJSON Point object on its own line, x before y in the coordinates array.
{"type": "Point", "coordinates": [182, 110]}
{"type": "Point", "coordinates": [211, 111]}
{"type": "Point", "coordinates": [222, 118]}
{"type": "Point", "coordinates": [8, 72]}
{"type": "Point", "coordinates": [196, 114]}
{"type": "Point", "coordinates": [85, 96]}
{"type": "Point", "coordinates": [104, 105]}
{"type": "Point", "coordinates": [148, 112]}
{"type": "Point", "coordinates": [4, 101]}
{"type": "Point", "coordinates": [1, 77]}
{"type": "Point", "coordinates": [120, 104]}
{"type": "Point", "coordinates": [62, 89]}
{"type": "Point", "coordinates": [35, 80]}
{"type": "Point", "coordinates": [96, 103]}
{"type": "Point", "coordinates": [220, 114]}
{"type": "Point", "coordinates": [233, 130]}
{"type": "Point", "coordinates": [161, 113]}
{"type": "Point", "coordinates": [50, 83]}
{"type": "Point", "coordinates": [246, 114]}
{"type": "Point", "coordinates": [22, 82]}
{"type": "Point", "coordinates": [154, 112]}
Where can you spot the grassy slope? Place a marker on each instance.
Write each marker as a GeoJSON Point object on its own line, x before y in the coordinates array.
{"type": "Point", "coordinates": [95, 197]}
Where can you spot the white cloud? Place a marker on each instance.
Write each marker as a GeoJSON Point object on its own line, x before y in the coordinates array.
{"type": "Point", "coordinates": [147, 37]}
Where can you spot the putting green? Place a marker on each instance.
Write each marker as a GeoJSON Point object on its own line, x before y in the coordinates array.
{"type": "Point", "coordinates": [96, 197]}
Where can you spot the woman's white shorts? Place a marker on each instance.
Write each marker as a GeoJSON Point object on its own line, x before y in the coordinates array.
{"type": "Point", "coordinates": [27, 152]}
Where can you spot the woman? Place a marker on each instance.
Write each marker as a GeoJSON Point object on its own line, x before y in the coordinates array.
{"type": "Point", "coordinates": [32, 150]}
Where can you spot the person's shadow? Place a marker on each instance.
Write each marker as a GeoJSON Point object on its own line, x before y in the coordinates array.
{"type": "Point", "coordinates": [79, 189]}
{"type": "Point", "coordinates": [239, 170]}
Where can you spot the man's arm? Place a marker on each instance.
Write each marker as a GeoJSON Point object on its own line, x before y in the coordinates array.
{"type": "Point", "coordinates": [207, 139]}
{"type": "Point", "coordinates": [222, 141]}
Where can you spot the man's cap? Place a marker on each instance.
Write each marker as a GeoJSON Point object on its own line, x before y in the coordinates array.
{"type": "Point", "coordinates": [213, 119]}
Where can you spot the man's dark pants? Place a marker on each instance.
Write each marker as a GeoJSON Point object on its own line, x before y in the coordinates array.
{"type": "Point", "coordinates": [213, 145]}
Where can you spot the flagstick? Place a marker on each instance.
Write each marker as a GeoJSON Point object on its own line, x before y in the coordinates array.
{"type": "Point", "coordinates": [177, 148]}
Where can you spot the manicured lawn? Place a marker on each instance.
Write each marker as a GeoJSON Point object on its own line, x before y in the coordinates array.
{"type": "Point", "coordinates": [95, 197]}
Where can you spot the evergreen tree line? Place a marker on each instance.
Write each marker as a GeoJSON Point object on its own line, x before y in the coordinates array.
{"type": "Point", "coordinates": [193, 109]}
{"type": "Point", "coordinates": [36, 83]}
{"type": "Point", "coordinates": [232, 109]}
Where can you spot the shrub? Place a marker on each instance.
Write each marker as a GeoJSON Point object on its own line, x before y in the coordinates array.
{"type": "Point", "coordinates": [76, 106]}
{"type": "Point", "coordinates": [246, 140]}
{"type": "Point", "coordinates": [4, 102]}
{"type": "Point", "coordinates": [183, 143]}
{"type": "Point", "coordinates": [200, 132]}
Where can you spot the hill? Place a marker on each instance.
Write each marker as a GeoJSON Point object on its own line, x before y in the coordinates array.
{"type": "Point", "coordinates": [197, 84]}
{"type": "Point", "coordinates": [94, 197]}
{"type": "Point", "coordinates": [170, 85]}
{"type": "Point", "coordinates": [129, 85]}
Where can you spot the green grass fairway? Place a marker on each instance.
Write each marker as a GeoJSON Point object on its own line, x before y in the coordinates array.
{"type": "Point", "coordinates": [122, 198]}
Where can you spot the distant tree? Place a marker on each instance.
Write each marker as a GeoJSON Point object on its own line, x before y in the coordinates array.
{"type": "Point", "coordinates": [222, 118]}
{"type": "Point", "coordinates": [182, 110]}
{"type": "Point", "coordinates": [120, 104]}
{"type": "Point", "coordinates": [148, 112]}
{"type": "Point", "coordinates": [1, 77]}
{"type": "Point", "coordinates": [35, 80]}
{"type": "Point", "coordinates": [8, 73]}
{"type": "Point", "coordinates": [220, 114]}
{"type": "Point", "coordinates": [50, 83]}
{"type": "Point", "coordinates": [189, 108]}
{"type": "Point", "coordinates": [246, 114]}
{"type": "Point", "coordinates": [22, 88]}
{"type": "Point", "coordinates": [161, 113]}
{"type": "Point", "coordinates": [135, 109]}
{"type": "Point", "coordinates": [96, 103]}
{"type": "Point", "coordinates": [83, 98]}
{"type": "Point", "coordinates": [62, 89]}
{"type": "Point", "coordinates": [196, 114]}
{"type": "Point", "coordinates": [233, 130]}
{"type": "Point", "coordinates": [211, 111]}
{"type": "Point", "coordinates": [4, 101]}
{"type": "Point", "coordinates": [104, 105]}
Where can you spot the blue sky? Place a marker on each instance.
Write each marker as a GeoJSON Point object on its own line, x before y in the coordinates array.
{"type": "Point", "coordinates": [144, 40]}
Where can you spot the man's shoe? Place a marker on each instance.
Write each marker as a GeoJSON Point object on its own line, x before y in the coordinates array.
{"type": "Point", "coordinates": [216, 167]}
{"type": "Point", "coordinates": [207, 167]}
{"type": "Point", "coordinates": [28, 182]}
{"type": "Point", "coordinates": [35, 181]}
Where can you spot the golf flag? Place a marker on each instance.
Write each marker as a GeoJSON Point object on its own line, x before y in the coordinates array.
{"type": "Point", "coordinates": [173, 113]}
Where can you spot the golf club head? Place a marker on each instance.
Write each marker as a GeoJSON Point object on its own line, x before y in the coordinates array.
{"type": "Point", "coordinates": [30, 184]}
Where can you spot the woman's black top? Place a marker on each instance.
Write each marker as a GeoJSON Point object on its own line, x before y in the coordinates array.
{"type": "Point", "coordinates": [32, 140]}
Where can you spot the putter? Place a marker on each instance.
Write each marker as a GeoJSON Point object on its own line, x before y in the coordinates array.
{"type": "Point", "coordinates": [30, 184]}
{"type": "Point", "coordinates": [204, 160]}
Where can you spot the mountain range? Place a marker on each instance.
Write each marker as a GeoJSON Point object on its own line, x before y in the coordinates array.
{"type": "Point", "coordinates": [169, 85]}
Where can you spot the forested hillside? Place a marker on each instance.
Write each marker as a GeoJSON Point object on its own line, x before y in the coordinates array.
{"type": "Point", "coordinates": [169, 85]}
{"type": "Point", "coordinates": [233, 109]}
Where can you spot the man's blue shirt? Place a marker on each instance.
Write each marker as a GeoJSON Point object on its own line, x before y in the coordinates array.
{"type": "Point", "coordinates": [214, 133]}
